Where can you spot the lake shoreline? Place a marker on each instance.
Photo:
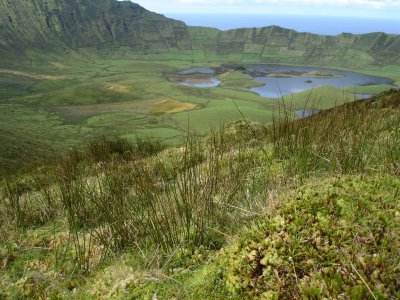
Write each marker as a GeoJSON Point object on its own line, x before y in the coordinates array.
{"type": "Point", "coordinates": [277, 80]}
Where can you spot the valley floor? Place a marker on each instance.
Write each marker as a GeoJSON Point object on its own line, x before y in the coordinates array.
{"type": "Point", "coordinates": [50, 106]}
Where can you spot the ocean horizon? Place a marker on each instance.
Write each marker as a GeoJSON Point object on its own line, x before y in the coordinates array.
{"type": "Point", "coordinates": [326, 25]}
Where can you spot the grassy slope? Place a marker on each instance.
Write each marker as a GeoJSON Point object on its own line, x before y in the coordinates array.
{"type": "Point", "coordinates": [92, 96]}
{"type": "Point", "coordinates": [301, 208]}
{"type": "Point", "coordinates": [31, 135]}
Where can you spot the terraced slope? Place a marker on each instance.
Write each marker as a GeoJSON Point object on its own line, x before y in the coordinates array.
{"type": "Point", "coordinates": [124, 29]}
{"type": "Point", "coordinates": [275, 44]}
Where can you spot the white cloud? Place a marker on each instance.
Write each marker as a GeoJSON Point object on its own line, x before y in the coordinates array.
{"type": "Point", "coordinates": [370, 3]}
{"type": "Point", "coordinates": [362, 3]}
{"type": "Point", "coordinates": [226, 2]}
{"type": "Point", "coordinates": [378, 8]}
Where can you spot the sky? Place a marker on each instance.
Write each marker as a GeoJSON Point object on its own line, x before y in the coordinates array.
{"type": "Point", "coordinates": [353, 8]}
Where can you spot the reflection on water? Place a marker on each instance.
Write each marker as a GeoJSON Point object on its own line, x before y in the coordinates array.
{"type": "Point", "coordinates": [205, 80]}
{"type": "Point", "coordinates": [207, 83]}
{"type": "Point", "coordinates": [281, 80]}
{"type": "Point", "coordinates": [363, 96]}
{"type": "Point", "coordinates": [197, 70]}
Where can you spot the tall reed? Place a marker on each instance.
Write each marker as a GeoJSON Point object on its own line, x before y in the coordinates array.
{"type": "Point", "coordinates": [341, 141]}
{"type": "Point", "coordinates": [149, 204]}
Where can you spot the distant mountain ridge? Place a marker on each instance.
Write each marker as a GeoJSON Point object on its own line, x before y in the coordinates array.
{"type": "Point", "coordinates": [81, 23]}
{"type": "Point", "coordinates": [122, 29]}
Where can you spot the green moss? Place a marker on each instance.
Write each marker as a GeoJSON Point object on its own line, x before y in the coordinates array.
{"type": "Point", "coordinates": [333, 238]}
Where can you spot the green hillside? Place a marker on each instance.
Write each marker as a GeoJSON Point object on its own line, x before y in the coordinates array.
{"type": "Point", "coordinates": [123, 30]}
{"type": "Point", "coordinates": [290, 210]}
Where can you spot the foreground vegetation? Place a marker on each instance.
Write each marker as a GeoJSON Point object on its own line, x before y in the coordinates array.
{"type": "Point", "coordinates": [296, 209]}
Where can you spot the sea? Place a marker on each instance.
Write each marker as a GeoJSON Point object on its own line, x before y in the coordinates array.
{"type": "Point", "coordinates": [325, 25]}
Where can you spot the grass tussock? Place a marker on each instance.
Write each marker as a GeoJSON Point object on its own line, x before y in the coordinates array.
{"type": "Point", "coordinates": [354, 138]}
{"type": "Point", "coordinates": [157, 204]}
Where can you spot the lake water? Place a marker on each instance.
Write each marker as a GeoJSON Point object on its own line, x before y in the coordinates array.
{"type": "Point", "coordinates": [363, 96]}
{"type": "Point", "coordinates": [211, 81]}
{"type": "Point", "coordinates": [275, 87]}
{"type": "Point", "coordinates": [314, 24]}
{"type": "Point", "coordinates": [304, 113]}
{"type": "Point", "coordinates": [282, 80]}
{"type": "Point", "coordinates": [197, 70]}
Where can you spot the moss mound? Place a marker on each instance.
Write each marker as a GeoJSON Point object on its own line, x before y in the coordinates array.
{"type": "Point", "coordinates": [338, 238]}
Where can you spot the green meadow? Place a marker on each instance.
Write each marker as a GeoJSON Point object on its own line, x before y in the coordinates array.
{"type": "Point", "coordinates": [50, 105]}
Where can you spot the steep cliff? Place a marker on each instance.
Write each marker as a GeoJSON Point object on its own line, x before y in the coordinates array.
{"type": "Point", "coordinates": [53, 25]}
{"type": "Point", "coordinates": [122, 29]}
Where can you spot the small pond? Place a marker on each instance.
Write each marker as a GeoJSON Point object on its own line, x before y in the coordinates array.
{"type": "Point", "coordinates": [198, 70]}
{"type": "Point", "coordinates": [363, 96]}
{"type": "Point", "coordinates": [199, 77]}
{"type": "Point", "coordinates": [304, 113]}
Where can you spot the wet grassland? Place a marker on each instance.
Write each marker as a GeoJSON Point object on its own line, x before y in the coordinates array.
{"type": "Point", "coordinates": [48, 107]}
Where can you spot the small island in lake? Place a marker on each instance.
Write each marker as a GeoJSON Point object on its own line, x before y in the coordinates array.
{"type": "Point", "coordinates": [321, 74]}
{"type": "Point", "coordinates": [312, 74]}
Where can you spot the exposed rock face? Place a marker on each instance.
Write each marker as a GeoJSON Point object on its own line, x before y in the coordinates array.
{"type": "Point", "coordinates": [275, 44]}
{"type": "Point", "coordinates": [126, 30]}
{"type": "Point", "coordinates": [44, 24]}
